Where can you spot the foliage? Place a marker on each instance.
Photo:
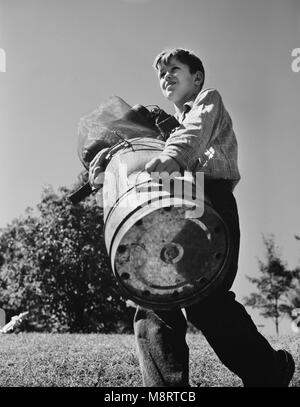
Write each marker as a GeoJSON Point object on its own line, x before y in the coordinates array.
{"type": "Point", "coordinates": [274, 285]}
{"type": "Point", "coordinates": [55, 265]}
{"type": "Point", "coordinates": [295, 294]}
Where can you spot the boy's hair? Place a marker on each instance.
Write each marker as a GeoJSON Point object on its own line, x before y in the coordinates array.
{"type": "Point", "coordinates": [184, 56]}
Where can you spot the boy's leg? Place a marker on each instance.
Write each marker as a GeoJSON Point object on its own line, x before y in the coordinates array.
{"type": "Point", "coordinates": [161, 347]}
{"type": "Point", "coordinates": [234, 337]}
{"type": "Point", "coordinates": [225, 323]}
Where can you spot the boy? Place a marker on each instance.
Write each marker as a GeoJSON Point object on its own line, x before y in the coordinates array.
{"type": "Point", "coordinates": [205, 128]}
{"type": "Point", "coordinates": [160, 335]}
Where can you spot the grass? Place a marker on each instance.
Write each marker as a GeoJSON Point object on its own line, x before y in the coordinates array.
{"type": "Point", "coordinates": [77, 360]}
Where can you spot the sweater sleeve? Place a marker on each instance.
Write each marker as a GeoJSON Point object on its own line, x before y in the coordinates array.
{"type": "Point", "coordinates": [189, 141]}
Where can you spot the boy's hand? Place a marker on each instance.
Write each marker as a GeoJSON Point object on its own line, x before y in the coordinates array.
{"type": "Point", "coordinates": [97, 168]}
{"type": "Point", "coordinates": [162, 163]}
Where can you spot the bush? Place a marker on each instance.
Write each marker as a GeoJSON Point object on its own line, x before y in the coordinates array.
{"type": "Point", "coordinates": [55, 265]}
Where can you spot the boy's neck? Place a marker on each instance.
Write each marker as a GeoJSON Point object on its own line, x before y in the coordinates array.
{"type": "Point", "coordinates": [179, 107]}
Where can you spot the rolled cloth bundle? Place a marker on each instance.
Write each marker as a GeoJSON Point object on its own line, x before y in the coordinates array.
{"type": "Point", "coordinates": [112, 121]}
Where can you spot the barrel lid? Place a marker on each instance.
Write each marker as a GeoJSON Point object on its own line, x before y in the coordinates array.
{"type": "Point", "coordinates": [169, 259]}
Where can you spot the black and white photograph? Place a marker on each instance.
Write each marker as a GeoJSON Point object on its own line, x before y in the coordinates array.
{"type": "Point", "coordinates": [149, 212]}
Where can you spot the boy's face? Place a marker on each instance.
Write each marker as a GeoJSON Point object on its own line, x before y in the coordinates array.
{"type": "Point", "coordinates": [177, 83]}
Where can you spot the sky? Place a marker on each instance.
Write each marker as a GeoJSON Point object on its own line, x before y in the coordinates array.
{"type": "Point", "coordinates": [65, 57]}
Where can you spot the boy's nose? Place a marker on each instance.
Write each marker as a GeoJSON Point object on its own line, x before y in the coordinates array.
{"type": "Point", "coordinates": [168, 75]}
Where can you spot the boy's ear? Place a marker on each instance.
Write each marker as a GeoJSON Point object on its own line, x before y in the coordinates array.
{"type": "Point", "coordinates": [198, 78]}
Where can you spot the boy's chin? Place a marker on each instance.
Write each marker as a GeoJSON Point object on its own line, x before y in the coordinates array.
{"type": "Point", "coordinates": [171, 97]}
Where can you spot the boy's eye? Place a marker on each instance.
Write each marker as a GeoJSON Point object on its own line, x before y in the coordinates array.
{"type": "Point", "coordinates": [163, 73]}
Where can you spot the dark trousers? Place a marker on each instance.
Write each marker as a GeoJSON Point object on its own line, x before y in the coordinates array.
{"type": "Point", "coordinates": [160, 335]}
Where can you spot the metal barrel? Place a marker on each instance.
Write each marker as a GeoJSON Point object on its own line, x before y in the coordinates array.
{"type": "Point", "coordinates": [168, 246]}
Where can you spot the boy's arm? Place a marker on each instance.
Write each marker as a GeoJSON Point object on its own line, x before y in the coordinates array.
{"type": "Point", "coordinates": [189, 141]}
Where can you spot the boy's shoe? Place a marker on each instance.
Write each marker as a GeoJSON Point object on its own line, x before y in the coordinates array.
{"type": "Point", "coordinates": [287, 368]}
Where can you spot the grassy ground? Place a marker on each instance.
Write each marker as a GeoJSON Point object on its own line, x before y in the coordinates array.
{"type": "Point", "coordinates": [73, 360]}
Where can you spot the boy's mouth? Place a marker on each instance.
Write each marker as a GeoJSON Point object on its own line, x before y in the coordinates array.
{"type": "Point", "coordinates": [170, 84]}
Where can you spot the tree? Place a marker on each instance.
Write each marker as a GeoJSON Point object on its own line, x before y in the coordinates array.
{"type": "Point", "coordinates": [274, 285]}
{"type": "Point", "coordinates": [55, 265]}
{"type": "Point", "coordinates": [295, 294]}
